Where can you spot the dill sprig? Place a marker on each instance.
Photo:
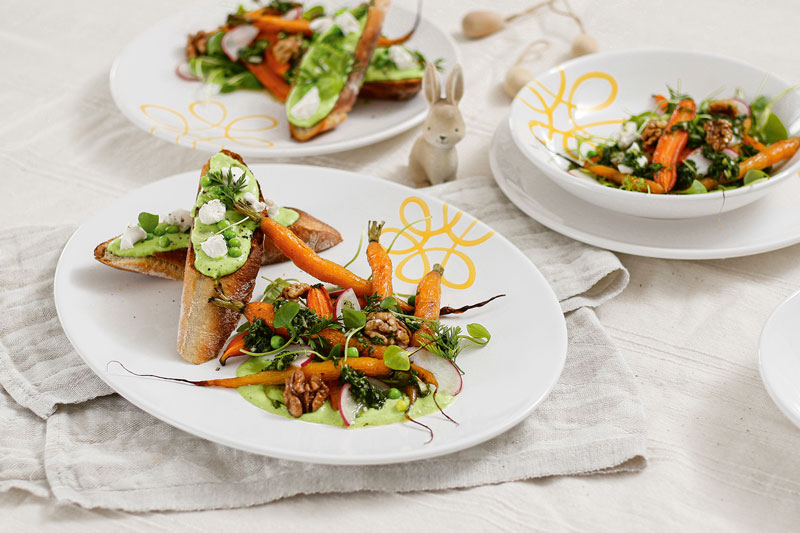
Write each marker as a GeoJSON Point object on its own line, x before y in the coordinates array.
{"type": "Point", "coordinates": [225, 186]}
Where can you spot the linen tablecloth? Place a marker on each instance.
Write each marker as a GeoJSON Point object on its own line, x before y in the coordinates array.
{"type": "Point", "coordinates": [721, 456]}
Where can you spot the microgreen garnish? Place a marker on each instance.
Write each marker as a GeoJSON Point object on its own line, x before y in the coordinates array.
{"type": "Point", "coordinates": [446, 340]}
{"type": "Point", "coordinates": [222, 184]}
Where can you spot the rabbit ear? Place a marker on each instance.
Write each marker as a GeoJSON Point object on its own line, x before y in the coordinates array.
{"type": "Point", "coordinates": [455, 85]}
{"type": "Point", "coordinates": [430, 82]}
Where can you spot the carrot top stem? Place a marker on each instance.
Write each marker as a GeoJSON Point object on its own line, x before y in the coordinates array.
{"type": "Point", "coordinates": [374, 231]}
{"type": "Point", "coordinates": [222, 300]}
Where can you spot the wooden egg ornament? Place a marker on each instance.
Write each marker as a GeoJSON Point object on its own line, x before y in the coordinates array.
{"type": "Point", "coordinates": [477, 24]}
{"type": "Point", "coordinates": [583, 44]}
{"type": "Point", "coordinates": [516, 78]}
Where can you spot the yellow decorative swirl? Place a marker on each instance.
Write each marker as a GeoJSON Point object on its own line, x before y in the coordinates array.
{"type": "Point", "coordinates": [549, 110]}
{"type": "Point", "coordinates": [207, 121]}
{"type": "Point", "coordinates": [420, 235]}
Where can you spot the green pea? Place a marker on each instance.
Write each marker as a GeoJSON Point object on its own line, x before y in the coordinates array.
{"type": "Point", "coordinates": [164, 241]}
{"type": "Point", "coordinates": [229, 234]}
{"type": "Point", "coordinates": [235, 242]}
{"type": "Point", "coordinates": [276, 342]}
{"type": "Point", "coordinates": [401, 405]}
{"type": "Point", "coordinates": [394, 394]}
{"type": "Point", "coordinates": [234, 252]}
{"type": "Point", "coordinates": [161, 229]}
{"type": "Point", "coordinates": [205, 181]}
{"type": "Point", "coordinates": [412, 300]}
{"type": "Point", "coordinates": [352, 351]}
{"type": "Point", "coordinates": [223, 224]}
{"type": "Point", "coordinates": [172, 228]}
{"type": "Point", "coordinates": [149, 236]}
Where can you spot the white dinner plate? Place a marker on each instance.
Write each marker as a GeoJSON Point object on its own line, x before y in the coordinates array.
{"type": "Point", "coordinates": [113, 315]}
{"type": "Point", "coordinates": [767, 224]}
{"type": "Point", "coordinates": [779, 357]}
{"type": "Point", "coordinates": [147, 90]}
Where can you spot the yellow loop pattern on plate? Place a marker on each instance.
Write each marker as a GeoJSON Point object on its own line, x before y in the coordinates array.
{"type": "Point", "coordinates": [207, 121]}
{"type": "Point", "coordinates": [442, 241]}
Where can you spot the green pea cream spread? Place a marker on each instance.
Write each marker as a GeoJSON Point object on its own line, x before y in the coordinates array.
{"type": "Point", "coordinates": [150, 245]}
{"type": "Point", "coordinates": [270, 398]}
{"type": "Point", "coordinates": [325, 67]}
{"type": "Point", "coordinates": [384, 68]}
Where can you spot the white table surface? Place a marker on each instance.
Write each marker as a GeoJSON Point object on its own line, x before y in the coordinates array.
{"type": "Point", "coordinates": [721, 455]}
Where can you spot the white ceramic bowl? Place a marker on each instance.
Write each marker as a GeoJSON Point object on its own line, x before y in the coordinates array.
{"type": "Point", "coordinates": [593, 94]}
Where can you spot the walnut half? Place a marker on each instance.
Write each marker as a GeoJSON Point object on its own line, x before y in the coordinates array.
{"type": "Point", "coordinates": [719, 133]}
{"type": "Point", "coordinates": [303, 395]}
{"type": "Point", "coordinates": [196, 45]}
{"type": "Point", "coordinates": [652, 132]}
{"type": "Point", "coordinates": [294, 291]}
{"type": "Point", "coordinates": [385, 327]}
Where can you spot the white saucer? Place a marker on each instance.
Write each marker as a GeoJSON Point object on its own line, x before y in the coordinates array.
{"type": "Point", "coordinates": [765, 225]}
{"type": "Point", "coordinates": [779, 357]}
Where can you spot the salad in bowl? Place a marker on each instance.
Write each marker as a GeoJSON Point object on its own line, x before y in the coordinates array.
{"type": "Point", "coordinates": [660, 133]}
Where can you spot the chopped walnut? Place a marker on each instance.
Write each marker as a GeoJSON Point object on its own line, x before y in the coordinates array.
{"type": "Point", "coordinates": [652, 132]}
{"type": "Point", "coordinates": [287, 49]}
{"type": "Point", "coordinates": [385, 327]}
{"type": "Point", "coordinates": [196, 45]}
{"type": "Point", "coordinates": [303, 395]}
{"type": "Point", "coordinates": [294, 291]}
{"type": "Point", "coordinates": [719, 133]}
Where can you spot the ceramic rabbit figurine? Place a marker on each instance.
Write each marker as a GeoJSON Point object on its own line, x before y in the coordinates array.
{"type": "Point", "coordinates": [433, 157]}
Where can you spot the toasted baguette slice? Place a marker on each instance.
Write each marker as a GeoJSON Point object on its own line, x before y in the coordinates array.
{"type": "Point", "coordinates": [315, 233]}
{"type": "Point", "coordinates": [204, 327]}
{"type": "Point", "coordinates": [391, 89]}
{"type": "Point", "coordinates": [347, 98]}
{"type": "Point", "coordinates": [161, 264]}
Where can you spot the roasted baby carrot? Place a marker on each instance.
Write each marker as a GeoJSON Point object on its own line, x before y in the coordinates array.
{"type": "Point", "coordinates": [304, 257]}
{"type": "Point", "coordinates": [319, 301]}
{"type": "Point", "coordinates": [276, 23]}
{"type": "Point", "coordinates": [774, 153]}
{"type": "Point", "coordinates": [326, 370]}
{"type": "Point", "coordinates": [428, 302]}
{"type": "Point", "coordinates": [234, 348]}
{"type": "Point", "coordinates": [614, 175]}
{"type": "Point", "coordinates": [379, 262]}
{"type": "Point", "coordinates": [671, 143]}
{"type": "Point", "coordinates": [251, 311]}
{"type": "Point", "coordinates": [271, 80]}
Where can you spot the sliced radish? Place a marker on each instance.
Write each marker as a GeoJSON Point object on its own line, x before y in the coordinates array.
{"type": "Point", "coordinates": [237, 39]}
{"type": "Point", "coordinates": [184, 72]}
{"type": "Point", "coordinates": [301, 361]}
{"type": "Point", "coordinates": [738, 105]}
{"type": "Point", "coordinates": [347, 299]}
{"type": "Point", "coordinates": [700, 161]}
{"type": "Point", "coordinates": [445, 372]}
{"type": "Point", "coordinates": [348, 407]}
{"type": "Point", "coordinates": [380, 385]}
{"type": "Point", "coordinates": [731, 154]}
{"type": "Point", "coordinates": [294, 13]}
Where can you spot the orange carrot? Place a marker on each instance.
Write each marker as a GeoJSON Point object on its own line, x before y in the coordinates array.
{"type": "Point", "coordinates": [252, 311]}
{"type": "Point", "coordinates": [234, 348]}
{"type": "Point", "coordinates": [319, 301]}
{"type": "Point", "coordinates": [774, 153]}
{"type": "Point", "coordinates": [614, 175]}
{"type": "Point", "coordinates": [671, 143]}
{"type": "Point", "coordinates": [307, 259]}
{"type": "Point", "coordinates": [662, 102]}
{"type": "Point", "coordinates": [335, 389]}
{"type": "Point", "coordinates": [754, 143]}
{"type": "Point", "coordinates": [379, 262]}
{"type": "Point", "coordinates": [274, 23]}
{"type": "Point", "coordinates": [427, 303]}
{"type": "Point", "coordinates": [324, 369]}
{"type": "Point", "coordinates": [271, 81]}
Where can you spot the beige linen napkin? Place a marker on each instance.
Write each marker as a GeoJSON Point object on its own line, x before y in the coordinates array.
{"type": "Point", "coordinates": [107, 453]}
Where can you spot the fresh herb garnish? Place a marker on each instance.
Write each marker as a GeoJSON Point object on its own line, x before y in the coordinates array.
{"type": "Point", "coordinates": [222, 184]}
{"type": "Point", "coordinates": [361, 388]}
{"type": "Point", "coordinates": [446, 340]}
{"type": "Point", "coordinates": [281, 361]}
{"type": "Point", "coordinates": [258, 337]}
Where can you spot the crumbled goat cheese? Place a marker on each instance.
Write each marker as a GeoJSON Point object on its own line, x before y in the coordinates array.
{"type": "Point", "coordinates": [252, 199]}
{"type": "Point", "coordinates": [625, 169]}
{"type": "Point", "coordinates": [132, 234]}
{"type": "Point", "coordinates": [347, 23]}
{"type": "Point", "coordinates": [402, 58]}
{"type": "Point", "coordinates": [215, 246]}
{"type": "Point", "coordinates": [307, 105]}
{"type": "Point", "coordinates": [627, 135]}
{"type": "Point", "coordinates": [181, 218]}
{"type": "Point", "coordinates": [212, 212]}
{"type": "Point", "coordinates": [321, 24]}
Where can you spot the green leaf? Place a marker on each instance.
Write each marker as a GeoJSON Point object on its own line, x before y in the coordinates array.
{"type": "Point", "coordinates": [695, 188]}
{"type": "Point", "coordinates": [214, 45]}
{"type": "Point", "coordinates": [284, 315]}
{"type": "Point", "coordinates": [388, 303]}
{"type": "Point", "coordinates": [753, 175]}
{"type": "Point", "coordinates": [353, 319]}
{"type": "Point", "coordinates": [396, 358]}
{"type": "Point", "coordinates": [274, 289]}
{"type": "Point", "coordinates": [478, 333]}
{"type": "Point", "coordinates": [148, 221]}
{"type": "Point", "coordinates": [774, 130]}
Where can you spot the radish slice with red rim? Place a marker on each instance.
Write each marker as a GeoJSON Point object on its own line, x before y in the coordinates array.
{"type": "Point", "coordinates": [732, 154]}
{"type": "Point", "coordinates": [301, 361]}
{"type": "Point", "coordinates": [237, 39]}
{"type": "Point", "coordinates": [445, 372]}
{"type": "Point", "coordinates": [184, 72]}
{"type": "Point", "coordinates": [294, 13]}
{"type": "Point", "coordinates": [348, 407]}
{"type": "Point", "coordinates": [347, 299]}
{"type": "Point", "coordinates": [701, 163]}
